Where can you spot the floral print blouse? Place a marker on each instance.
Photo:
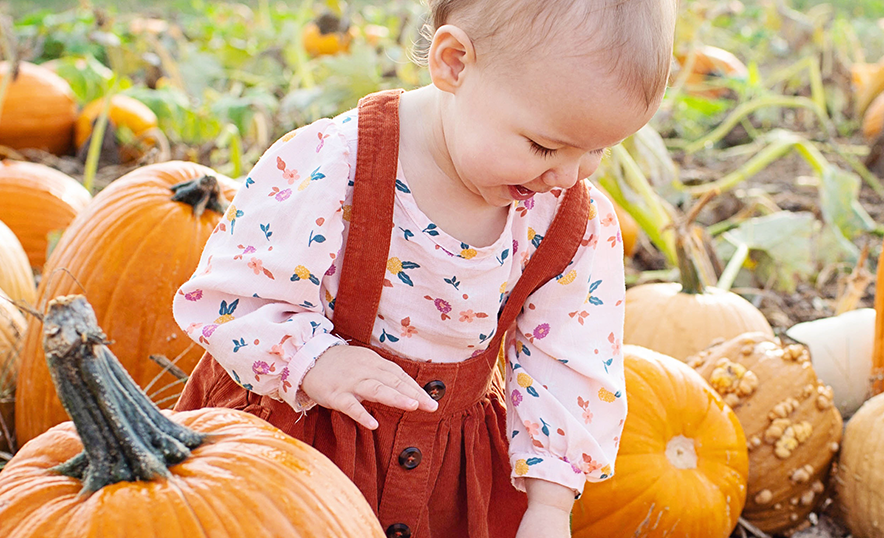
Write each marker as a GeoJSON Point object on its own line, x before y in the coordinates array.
{"type": "Point", "coordinates": [263, 295]}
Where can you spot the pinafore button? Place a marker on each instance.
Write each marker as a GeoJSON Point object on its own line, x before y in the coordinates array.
{"type": "Point", "coordinates": [398, 530]}
{"type": "Point", "coordinates": [436, 389]}
{"type": "Point", "coordinates": [410, 458]}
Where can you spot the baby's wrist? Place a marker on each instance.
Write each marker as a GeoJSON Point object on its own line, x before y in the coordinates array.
{"type": "Point", "coordinates": [542, 493]}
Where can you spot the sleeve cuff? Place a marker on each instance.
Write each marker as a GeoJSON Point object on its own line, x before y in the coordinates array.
{"type": "Point", "coordinates": [549, 468]}
{"type": "Point", "coordinates": [301, 363]}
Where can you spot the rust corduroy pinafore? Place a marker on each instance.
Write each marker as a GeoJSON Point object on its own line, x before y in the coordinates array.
{"type": "Point", "coordinates": [444, 474]}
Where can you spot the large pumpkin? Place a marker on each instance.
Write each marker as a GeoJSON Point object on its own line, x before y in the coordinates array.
{"type": "Point", "coordinates": [861, 471]}
{"type": "Point", "coordinates": [791, 424]}
{"type": "Point", "coordinates": [16, 278]}
{"type": "Point", "coordinates": [128, 253]}
{"type": "Point", "coordinates": [35, 201]}
{"type": "Point", "coordinates": [680, 319]}
{"type": "Point", "coordinates": [125, 469]}
{"type": "Point", "coordinates": [124, 111]}
{"type": "Point", "coordinates": [682, 465]}
{"type": "Point", "coordinates": [39, 110]}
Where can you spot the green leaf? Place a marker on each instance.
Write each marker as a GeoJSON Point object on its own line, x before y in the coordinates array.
{"type": "Point", "coordinates": [839, 201]}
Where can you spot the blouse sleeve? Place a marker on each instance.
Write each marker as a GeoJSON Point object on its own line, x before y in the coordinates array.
{"type": "Point", "coordinates": [256, 301]}
{"type": "Point", "coordinates": [565, 383]}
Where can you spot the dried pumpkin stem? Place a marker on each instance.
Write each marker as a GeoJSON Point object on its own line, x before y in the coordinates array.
{"type": "Point", "coordinates": [203, 193]}
{"type": "Point", "coordinates": [125, 436]}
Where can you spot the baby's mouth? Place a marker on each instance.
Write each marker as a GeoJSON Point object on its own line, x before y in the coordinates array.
{"type": "Point", "coordinates": [519, 192]}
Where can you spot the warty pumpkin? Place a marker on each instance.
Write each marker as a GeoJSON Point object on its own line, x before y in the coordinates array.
{"type": "Point", "coordinates": [125, 469]}
{"type": "Point", "coordinates": [35, 201]}
{"type": "Point", "coordinates": [39, 110]}
{"type": "Point", "coordinates": [860, 478]}
{"type": "Point", "coordinates": [16, 277]}
{"type": "Point", "coordinates": [138, 241]}
{"type": "Point", "coordinates": [792, 428]}
{"type": "Point", "coordinates": [124, 112]}
{"type": "Point", "coordinates": [681, 467]}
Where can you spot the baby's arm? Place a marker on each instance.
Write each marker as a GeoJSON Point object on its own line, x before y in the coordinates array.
{"type": "Point", "coordinates": [565, 385]}
{"type": "Point", "coordinates": [549, 510]}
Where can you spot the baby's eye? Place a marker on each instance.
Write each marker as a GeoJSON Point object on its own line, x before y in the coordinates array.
{"type": "Point", "coordinates": [540, 150]}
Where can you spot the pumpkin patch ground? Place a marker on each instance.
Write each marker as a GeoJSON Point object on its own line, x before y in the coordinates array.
{"type": "Point", "coordinates": [765, 157]}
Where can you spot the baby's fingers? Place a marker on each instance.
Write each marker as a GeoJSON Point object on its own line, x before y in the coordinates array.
{"type": "Point", "coordinates": [350, 406]}
{"type": "Point", "coordinates": [376, 391]}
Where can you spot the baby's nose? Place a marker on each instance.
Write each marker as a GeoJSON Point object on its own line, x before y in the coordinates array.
{"type": "Point", "coordinates": [562, 176]}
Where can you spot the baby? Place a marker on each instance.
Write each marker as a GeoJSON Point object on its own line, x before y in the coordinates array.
{"type": "Point", "coordinates": [373, 265]}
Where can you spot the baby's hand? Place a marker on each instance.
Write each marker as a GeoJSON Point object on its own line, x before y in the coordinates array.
{"type": "Point", "coordinates": [344, 376]}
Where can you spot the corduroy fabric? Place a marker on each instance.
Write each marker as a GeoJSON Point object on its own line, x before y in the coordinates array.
{"type": "Point", "coordinates": [461, 487]}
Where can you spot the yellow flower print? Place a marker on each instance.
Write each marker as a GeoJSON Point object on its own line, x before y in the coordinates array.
{"type": "Point", "coordinates": [531, 234]}
{"type": "Point", "coordinates": [606, 470]}
{"type": "Point", "coordinates": [302, 273]}
{"type": "Point", "coordinates": [592, 210]}
{"type": "Point", "coordinates": [567, 279]}
{"type": "Point", "coordinates": [226, 312]}
{"type": "Point", "coordinates": [503, 288]}
{"type": "Point", "coordinates": [398, 267]}
{"type": "Point", "coordinates": [348, 212]}
{"type": "Point", "coordinates": [606, 396]}
{"type": "Point", "coordinates": [224, 319]}
{"type": "Point", "coordinates": [521, 467]}
{"type": "Point", "coordinates": [468, 253]}
{"type": "Point", "coordinates": [524, 380]}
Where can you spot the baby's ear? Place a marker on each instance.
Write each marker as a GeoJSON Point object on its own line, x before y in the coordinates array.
{"type": "Point", "coordinates": [451, 52]}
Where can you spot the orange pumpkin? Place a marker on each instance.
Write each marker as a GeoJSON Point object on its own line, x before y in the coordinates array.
{"type": "Point", "coordinates": [711, 66]}
{"type": "Point", "coordinates": [125, 469]}
{"type": "Point", "coordinates": [35, 201]}
{"type": "Point", "coordinates": [327, 35]}
{"type": "Point", "coordinates": [682, 465]}
{"type": "Point", "coordinates": [128, 253]}
{"type": "Point", "coordinates": [877, 373]}
{"type": "Point", "coordinates": [124, 111]}
{"type": "Point", "coordinates": [16, 278]}
{"type": "Point", "coordinates": [39, 110]}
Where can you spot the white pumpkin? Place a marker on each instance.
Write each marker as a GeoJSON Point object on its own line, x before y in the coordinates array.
{"type": "Point", "coordinates": [841, 352]}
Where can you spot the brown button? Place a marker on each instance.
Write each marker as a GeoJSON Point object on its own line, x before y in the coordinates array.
{"type": "Point", "coordinates": [436, 389]}
{"type": "Point", "coordinates": [398, 530]}
{"type": "Point", "coordinates": [410, 458]}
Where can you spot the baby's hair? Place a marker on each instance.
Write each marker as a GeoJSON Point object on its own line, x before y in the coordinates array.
{"type": "Point", "coordinates": [639, 33]}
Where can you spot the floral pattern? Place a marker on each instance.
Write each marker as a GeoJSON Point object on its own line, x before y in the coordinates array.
{"type": "Point", "coordinates": [262, 298]}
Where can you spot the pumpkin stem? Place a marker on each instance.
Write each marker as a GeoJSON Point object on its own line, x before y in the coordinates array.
{"type": "Point", "coordinates": [689, 247]}
{"type": "Point", "coordinates": [125, 436]}
{"type": "Point", "coordinates": [203, 193]}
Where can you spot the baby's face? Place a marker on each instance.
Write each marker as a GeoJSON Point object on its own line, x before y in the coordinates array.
{"type": "Point", "coordinates": [538, 125]}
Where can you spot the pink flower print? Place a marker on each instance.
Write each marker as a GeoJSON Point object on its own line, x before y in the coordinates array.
{"type": "Point", "coordinates": [280, 195]}
{"type": "Point", "coordinates": [575, 468]}
{"type": "Point", "coordinates": [284, 377]}
{"type": "Point", "coordinates": [591, 242]}
{"type": "Point", "coordinates": [262, 368]}
{"type": "Point", "coordinates": [257, 266]}
{"type": "Point", "coordinates": [322, 138]}
{"type": "Point", "coordinates": [589, 465]}
{"type": "Point", "coordinates": [289, 175]}
{"type": "Point", "coordinates": [331, 270]}
{"type": "Point", "coordinates": [608, 220]}
{"type": "Point", "coordinates": [408, 330]}
{"type": "Point", "coordinates": [193, 326]}
{"type": "Point", "coordinates": [615, 343]}
{"type": "Point", "coordinates": [541, 331]}
{"type": "Point", "coordinates": [245, 250]}
{"type": "Point", "coordinates": [476, 353]}
{"type": "Point", "coordinates": [517, 398]}
{"type": "Point", "coordinates": [614, 239]}
{"type": "Point", "coordinates": [587, 414]}
{"type": "Point", "coordinates": [533, 429]}
{"type": "Point", "coordinates": [443, 306]}
{"type": "Point", "coordinates": [277, 348]}
{"type": "Point", "coordinates": [194, 295]}
{"type": "Point", "coordinates": [515, 247]}
{"type": "Point", "coordinates": [468, 316]}
{"type": "Point", "coordinates": [209, 329]}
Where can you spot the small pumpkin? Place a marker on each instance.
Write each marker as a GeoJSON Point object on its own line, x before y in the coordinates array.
{"type": "Point", "coordinates": [123, 468]}
{"type": "Point", "coordinates": [861, 470]}
{"type": "Point", "coordinates": [16, 277]}
{"type": "Point", "coordinates": [36, 201]}
{"type": "Point", "coordinates": [877, 373]}
{"type": "Point", "coordinates": [792, 427]}
{"type": "Point", "coordinates": [711, 66]}
{"type": "Point", "coordinates": [841, 351]}
{"type": "Point", "coordinates": [679, 437]}
{"type": "Point", "coordinates": [124, 112]}
{"type": "Point", "coordinates": [129, 252]}
{"type": "Point", "coordinates": [680, 319]}
{"type": "Point", "coordinates": [39, 110]}
{"type": "Point", "coordinates": [328, 34]}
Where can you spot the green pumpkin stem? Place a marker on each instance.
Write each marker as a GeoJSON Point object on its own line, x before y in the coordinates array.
{"type": "Point", "coordinates": [203, 193]}
{"type": "Point", "coordinates": [691, 276]}
{"type": "Point", "coordinates": [125, 436]}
